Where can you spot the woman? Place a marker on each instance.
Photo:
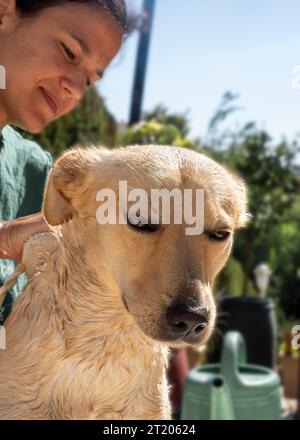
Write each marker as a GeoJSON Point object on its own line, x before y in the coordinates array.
{"type": "Point", "coordinates": [51, 51]}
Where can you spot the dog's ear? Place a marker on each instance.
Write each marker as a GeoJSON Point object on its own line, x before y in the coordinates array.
{"type": "Point", "coordinates": [67, 183]}
{"type": "Point", "coordinates": [243, 216]}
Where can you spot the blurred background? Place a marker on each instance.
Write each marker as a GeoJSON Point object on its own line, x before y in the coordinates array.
{"type": "Point", "coordinates": [221, 77]}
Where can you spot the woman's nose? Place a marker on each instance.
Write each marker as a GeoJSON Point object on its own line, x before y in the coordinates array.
{"type": "Point", "coordinates": [73, 86]}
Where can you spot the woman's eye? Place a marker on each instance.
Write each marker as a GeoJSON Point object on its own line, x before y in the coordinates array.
{"type": "Point", "coordinates": [142, 227]}
{"type": "Point", "coordinates": [68, 52]}
{"type": "Point", "coordinates": [218, 235]}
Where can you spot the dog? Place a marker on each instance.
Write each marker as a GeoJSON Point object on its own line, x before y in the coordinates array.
{"type": "Point", "coordinates": [89, 336]}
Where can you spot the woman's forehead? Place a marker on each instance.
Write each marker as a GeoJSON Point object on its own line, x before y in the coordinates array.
{"type": "Point", "coordinates": [94, 30]}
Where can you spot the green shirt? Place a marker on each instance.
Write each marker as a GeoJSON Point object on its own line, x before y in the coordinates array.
{"type": "Point", "coordinates": [24, 167]}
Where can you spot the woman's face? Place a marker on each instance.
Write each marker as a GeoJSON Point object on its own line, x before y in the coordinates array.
{"type": "Point", "coordinates": [50, 58]}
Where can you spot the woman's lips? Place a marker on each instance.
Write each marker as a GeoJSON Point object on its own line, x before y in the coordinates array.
{"type": "Point", "coordinates": [51, 100]}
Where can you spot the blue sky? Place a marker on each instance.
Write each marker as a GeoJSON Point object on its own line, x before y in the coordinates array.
{"type": "Point", "coordinates": [202, 48]}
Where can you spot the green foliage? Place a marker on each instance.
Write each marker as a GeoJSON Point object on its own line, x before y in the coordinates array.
{"type": "Point", "coordinates": [151, 132]}
{"type": "Point", "coordinates": [285, 262]}
{"type": "Point", "coordinates": [89, 123]}
{"type": "Point", "coordinates": [225, 109]}
{"type": "Point", "coordinates": [161, 115]}
{"type": "Point", "coordinates": [231, 280]}
{"type": "Point", "coordinates": [273, 182]}
{"type": "Point", "coordinates": [268, 171]}
{"type": "Point", "coordinates": [159, 127]}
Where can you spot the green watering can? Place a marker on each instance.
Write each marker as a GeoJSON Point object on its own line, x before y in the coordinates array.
{"type": "Point", "coordinates": [232, 390]}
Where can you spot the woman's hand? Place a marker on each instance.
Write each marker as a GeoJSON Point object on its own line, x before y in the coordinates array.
{"type": "Point", "coordinates": [14, 233]}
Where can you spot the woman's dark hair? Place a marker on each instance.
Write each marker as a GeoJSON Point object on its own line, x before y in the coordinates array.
{"type": "Point", "coordinates": [115, 8]}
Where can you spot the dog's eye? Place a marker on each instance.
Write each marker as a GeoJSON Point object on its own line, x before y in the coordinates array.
{"type": "Point", "coordinates": [142, 227]}
{"type": "Point", "coordinates": [218, 235]}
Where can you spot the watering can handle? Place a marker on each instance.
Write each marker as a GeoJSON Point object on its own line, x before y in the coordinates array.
{"type": "Point", "coordinates": [233, 355]}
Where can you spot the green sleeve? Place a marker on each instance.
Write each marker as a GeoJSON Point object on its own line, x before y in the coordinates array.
{"type": "Point", "coordinates": [24, 168]}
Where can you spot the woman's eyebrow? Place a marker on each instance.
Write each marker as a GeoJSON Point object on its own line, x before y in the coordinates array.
{"type": "Point", "coordinates": [83, 45]}
{"type": "Point", "coordinates": [85, 49]}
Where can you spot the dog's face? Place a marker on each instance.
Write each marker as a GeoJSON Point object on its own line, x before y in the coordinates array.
{"type": "Point", "coordinates": [163, 270]}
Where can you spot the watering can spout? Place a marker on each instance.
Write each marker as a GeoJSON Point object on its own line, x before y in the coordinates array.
{"type": "Point", "coordinates": [221, 402]}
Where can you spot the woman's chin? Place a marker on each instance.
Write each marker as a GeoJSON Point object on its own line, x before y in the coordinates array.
{"type": "Point", "coordinates": [36, 130]}
{"type": "Point", "coordinates": [35, 125]}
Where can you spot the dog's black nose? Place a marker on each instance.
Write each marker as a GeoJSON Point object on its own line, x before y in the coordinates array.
{"type": "Point", "coordinates": [185, 319]}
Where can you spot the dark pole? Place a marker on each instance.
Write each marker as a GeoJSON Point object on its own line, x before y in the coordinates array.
{"type": "Point", "coordinates": [141, 62]}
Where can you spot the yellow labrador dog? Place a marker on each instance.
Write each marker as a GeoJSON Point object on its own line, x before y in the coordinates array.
{"type": "Point", "coordinates": [88, 337]}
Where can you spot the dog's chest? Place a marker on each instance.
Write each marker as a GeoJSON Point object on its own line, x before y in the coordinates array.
{"type": "Point", "coordinates": [111, 387]}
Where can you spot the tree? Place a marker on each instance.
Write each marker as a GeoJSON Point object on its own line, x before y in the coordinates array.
{"type": "Point", "coordinates": [160, 114]}
{"type": "Point", "coordinates": [285, 262]}
{"type": "Point", "coordinates": [161, 127]}
{"type": "Point", "coordinates": [270, 172]}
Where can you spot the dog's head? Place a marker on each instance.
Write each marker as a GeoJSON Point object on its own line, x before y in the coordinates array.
{"type": "Point", "coordinates": [161, 258]}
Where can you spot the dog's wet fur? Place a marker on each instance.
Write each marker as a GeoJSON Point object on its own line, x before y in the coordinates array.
{"type": "Point", "coordinates": [88, 337]}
